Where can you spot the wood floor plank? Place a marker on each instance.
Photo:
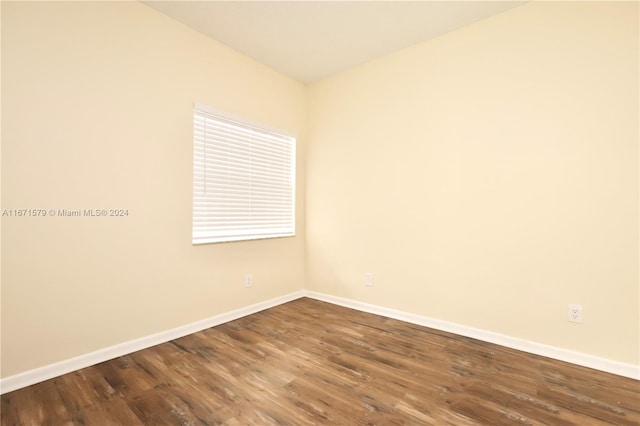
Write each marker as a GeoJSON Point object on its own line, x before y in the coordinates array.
{"type": "Point", "coordinates": [311, 363]}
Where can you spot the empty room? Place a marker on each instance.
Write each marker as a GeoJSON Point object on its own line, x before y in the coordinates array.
{"type": "Point", "coordinates": [338, 213]}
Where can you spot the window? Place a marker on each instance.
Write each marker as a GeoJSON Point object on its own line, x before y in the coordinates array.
{"type": "Point", "coordinates": [243, 179]}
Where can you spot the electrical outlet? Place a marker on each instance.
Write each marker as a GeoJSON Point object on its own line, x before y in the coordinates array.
{"type": "Point", "coordinates": [368, 279]}
{"type": "Point", "coordinates": [248, 280]}
{"type": "Point", "coordinates": [575, 313]}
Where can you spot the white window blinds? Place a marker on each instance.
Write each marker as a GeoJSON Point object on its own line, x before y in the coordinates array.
{"type": "Point", "coordinates": [243, 180]}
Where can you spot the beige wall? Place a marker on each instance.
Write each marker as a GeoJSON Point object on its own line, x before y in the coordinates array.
{"type": "Point", "coordinates": [97, 113]}
{"type": "Point", "coordinates": [488, 177]}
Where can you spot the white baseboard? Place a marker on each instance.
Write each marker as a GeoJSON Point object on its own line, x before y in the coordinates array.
{"type": "Point", "coordinates": [602, 364]}
{"type": "Point", "coordinates": [50, 371]}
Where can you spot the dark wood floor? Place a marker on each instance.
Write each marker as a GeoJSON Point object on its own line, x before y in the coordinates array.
{"type": "Point", "coordinates": [309, 362]}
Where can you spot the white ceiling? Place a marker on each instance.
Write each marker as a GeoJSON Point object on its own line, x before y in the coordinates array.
{"type": "Point", "coordinates": [310, 40]}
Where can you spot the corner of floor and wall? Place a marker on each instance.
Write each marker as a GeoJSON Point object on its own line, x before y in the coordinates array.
{"type": "Point", "coordinates": [486, 179]}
